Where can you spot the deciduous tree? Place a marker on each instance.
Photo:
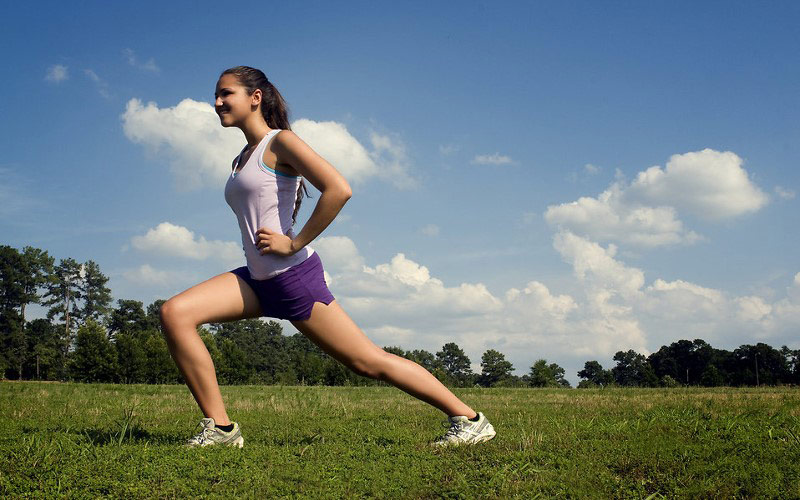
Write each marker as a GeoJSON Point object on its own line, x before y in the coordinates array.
{"type": "Point", "coordinates": [544, 375]}
{"type": "Point", "coordinates": [593, 372]}
{"type": "Point", "coordinates": [455, 363]}
{"type": "Point", "coordinates": [633, 370]}
{"type": "Point", "coordinates": [494, 368]}
{"type": "Point", "coordinates": [128, 317]}
{"type": "Point", "coordinates": [94, 359]}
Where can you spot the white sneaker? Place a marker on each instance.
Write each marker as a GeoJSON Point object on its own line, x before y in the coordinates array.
{"type": "Point", "coordinates": [212, 435]}
{"type": "Point", "coordinates": [464, 431]}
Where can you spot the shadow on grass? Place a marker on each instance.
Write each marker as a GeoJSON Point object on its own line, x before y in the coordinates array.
{"type": "Point", "coordinates": [133, 435]}
{"type": "Point", "coordinates": [101, 437]}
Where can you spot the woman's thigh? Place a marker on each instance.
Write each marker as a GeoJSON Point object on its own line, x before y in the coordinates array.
{"type": "Point", "coordinates": [332, 329]}
{"type": "Point", "coordinates": [225, 297]}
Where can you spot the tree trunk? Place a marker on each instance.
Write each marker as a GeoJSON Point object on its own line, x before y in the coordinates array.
{"type": "Point", "coordinates": [66, 322]}
{"type": "Point", "coordinates": [66, 337]}
{"type": "Point", "coordinates": [24, 340]}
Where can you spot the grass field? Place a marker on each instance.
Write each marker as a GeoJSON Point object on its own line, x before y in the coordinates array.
{"type": "Point", "coordinates": [79, 440]}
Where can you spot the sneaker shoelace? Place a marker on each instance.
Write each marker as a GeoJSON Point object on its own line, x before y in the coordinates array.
{"type": "Point", "coordinates": [203, 436]}
{"type": "Point", "coordinates": [454, 429]}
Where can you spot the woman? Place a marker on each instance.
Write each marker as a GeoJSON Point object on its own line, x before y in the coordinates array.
{"type": "Point", "coordinates": [284, 277]}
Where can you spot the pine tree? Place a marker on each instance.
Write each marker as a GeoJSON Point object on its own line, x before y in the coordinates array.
{"type": "Point", "coordinates": [62, 297]}
{"type": "Point", "coordinates": [495, 368]}
{"type": "Point", "coordinates": [96, 295]}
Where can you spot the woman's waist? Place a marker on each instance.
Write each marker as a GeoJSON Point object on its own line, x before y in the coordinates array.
{"type": "Point", "coordinates": [268, 265]}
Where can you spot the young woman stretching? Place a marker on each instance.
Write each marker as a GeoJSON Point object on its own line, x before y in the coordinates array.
{"type": "Point", "coordinates": [283, 277]}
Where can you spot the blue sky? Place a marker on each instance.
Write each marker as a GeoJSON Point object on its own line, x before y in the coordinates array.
{"type": "Point", "coordinates": [553, 180]}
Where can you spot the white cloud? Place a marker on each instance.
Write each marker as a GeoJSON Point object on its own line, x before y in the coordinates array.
{"type": "Point", "coordinates": [644, 213]}
{"type": "Point", "coordinates": [607, 319]}
{"type": "Point", "coordinates": [784, 194]}
{"type": "Point", "coordinates": [709, 184]}
{"type": "Point", "coordinates": [332, 140]}
{"type": "Point", "coordinates": [752, 308]}
{"type": "Point", "coordinates": [590, 169]}
{"type": "Point", "coordinates": [401, 302]}
{"type": "Point", "coordinates": [146, 275]}
{"type": "Point", "coordinates": [430, 230]}
{"type": "Point", "coordinates": [618, 302]}
{"type": "Point", "coordinates": [693, 291]}
{"type": "Point", "coordinates": [340, 253]}
{"type": "Point", "coordinates": [537, 299]}
{"type": "Point", "coordinates": [403, 270]}
{"type": "Point", "coordinates": [448, 149]}
{"type": "Point", "coordinates": [150, 65]}
{"type": "Point", "coordinates": [609, 218]}
{"type": "Point", "coordinates": [57, 73]}
{"type": "Point", "coordinates": [595, 264]}
{"type": "Point", "coordinates": [492, 159]}
{"type": "Point", "coordinates": [392, 160]}
{"type": "Point", "coordinates": [694, 307]}
{"type": "Point", "coordinates": [177, 241]}
{"type": "Point", "coordinates": [334, 143]}
{"type": "Point", "coordinates": [100, 84]}
{"type": "Point", "coordinates": [400, 289]}
{"type": "Point", "coordinates": [390, 335]}
{"type": "Point", "coordinates": [794, 289]}
{"type": "Point", "coordinates": [200, 150]}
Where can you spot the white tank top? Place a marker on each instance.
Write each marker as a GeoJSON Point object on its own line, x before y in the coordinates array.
{"type": "Point", "coordinates": [262, 197]}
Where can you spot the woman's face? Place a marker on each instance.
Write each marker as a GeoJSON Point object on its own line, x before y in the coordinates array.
{"type": "Point", "coordinates": [232, 103]}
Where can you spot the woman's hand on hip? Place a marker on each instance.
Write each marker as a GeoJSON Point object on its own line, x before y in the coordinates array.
{"type": "Point", "coordinates": [269, 241]}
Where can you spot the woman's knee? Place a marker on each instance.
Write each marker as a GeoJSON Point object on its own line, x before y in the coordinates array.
{"type": "Point", "coordinates": [174, 311]}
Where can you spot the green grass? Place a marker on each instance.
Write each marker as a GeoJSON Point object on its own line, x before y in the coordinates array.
{"type": "Point", "coordinates": [78, 440]}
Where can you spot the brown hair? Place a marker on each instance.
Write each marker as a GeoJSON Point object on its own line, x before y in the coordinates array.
{"type": "Point", "coordinates": [273, 108]}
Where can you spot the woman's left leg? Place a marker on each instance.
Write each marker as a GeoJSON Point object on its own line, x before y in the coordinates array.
{"type": "Point", "coordinates": [332, 329]}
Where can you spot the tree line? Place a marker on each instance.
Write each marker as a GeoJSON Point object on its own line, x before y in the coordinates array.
{"type": "Point", "coordinates": [85, 338]}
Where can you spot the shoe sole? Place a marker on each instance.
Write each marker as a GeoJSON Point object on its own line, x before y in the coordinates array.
{"type": "Point", "coordinates": [485, 438]}
{"type": "Point", "coordinates": [478, 440]}
{"type": "Point", "coordinates": [239, 443]}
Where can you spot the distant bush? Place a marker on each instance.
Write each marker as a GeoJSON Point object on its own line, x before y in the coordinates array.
{"type": "Point", "coordinates": [667, 381]}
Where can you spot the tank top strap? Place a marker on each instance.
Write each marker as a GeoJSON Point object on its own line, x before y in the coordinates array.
{"type": "Point", "coordinates": [265, 142]}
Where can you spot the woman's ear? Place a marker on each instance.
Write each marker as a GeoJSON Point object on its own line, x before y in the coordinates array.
{"type": "Point", "coordinates": [255, 99]}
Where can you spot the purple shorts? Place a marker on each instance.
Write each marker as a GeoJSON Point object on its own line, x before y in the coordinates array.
{"type": "Point", "coordinates": [291, 294]}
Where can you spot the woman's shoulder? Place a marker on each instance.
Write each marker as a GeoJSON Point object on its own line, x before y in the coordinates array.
{"type": "Point", "coordinates": [287, 143]}
{"type": "Point", "coordinates": [284, 135]}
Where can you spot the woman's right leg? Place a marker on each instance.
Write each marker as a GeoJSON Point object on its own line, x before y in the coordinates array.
{"type": "Point", "coordinates": [225, 297]}
{"type": "Point", "coordinates": [332, 329]}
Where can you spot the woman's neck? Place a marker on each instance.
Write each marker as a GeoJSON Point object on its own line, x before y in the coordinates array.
{"type": "Point", "coordinates": [255, 130]}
